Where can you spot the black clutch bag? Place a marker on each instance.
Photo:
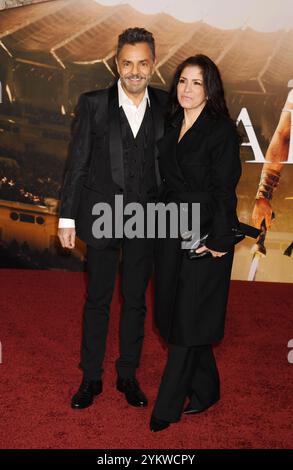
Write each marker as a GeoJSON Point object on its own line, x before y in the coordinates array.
{"type": "Point", "coordinates": [238, 234]}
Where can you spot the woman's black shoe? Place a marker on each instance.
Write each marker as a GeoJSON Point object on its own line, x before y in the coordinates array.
{"type": "Point", "coordinates": [158, 424]}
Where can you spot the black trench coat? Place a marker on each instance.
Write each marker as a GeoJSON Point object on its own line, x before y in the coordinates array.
{"type": "Point", "coordinates": [191, 295]}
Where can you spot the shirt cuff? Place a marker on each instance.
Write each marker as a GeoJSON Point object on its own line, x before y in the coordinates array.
{"type": "Point", "coordinates": [66, 223]}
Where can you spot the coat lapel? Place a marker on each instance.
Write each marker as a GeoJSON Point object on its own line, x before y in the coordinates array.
{"type": "Point", "coordinates": [168, 144]}
{"type": "Point", "coordinates": [204, 122]}
{"type": "Point", "coordinates": [171, 151]}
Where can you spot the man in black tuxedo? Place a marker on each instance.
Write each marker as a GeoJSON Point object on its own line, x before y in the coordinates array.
{"type": "Point", "coordinates": [113, 152]}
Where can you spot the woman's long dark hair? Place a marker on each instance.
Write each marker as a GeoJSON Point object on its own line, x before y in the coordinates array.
{"type": "Point", "coordinates": [212, 82]}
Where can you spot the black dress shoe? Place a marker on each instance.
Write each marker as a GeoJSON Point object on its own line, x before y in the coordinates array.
{"type": "Point", "coordinates": [189, 410]}
{"type": "Point", "coordinates": [86, 393]}
{"type": "Point", "coordinates": [133, 394]}
{"type": "Point", "coordinates": [157, 424]}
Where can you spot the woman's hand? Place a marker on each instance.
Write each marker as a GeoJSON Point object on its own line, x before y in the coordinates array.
{"type": "Point", "coordinates": [214, 253]}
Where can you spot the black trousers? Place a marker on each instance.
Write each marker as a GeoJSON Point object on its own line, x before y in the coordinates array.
{"type": "Point", "coordinates": [189, 372]}
{"type": "Point", "coordinates": [102, 267]}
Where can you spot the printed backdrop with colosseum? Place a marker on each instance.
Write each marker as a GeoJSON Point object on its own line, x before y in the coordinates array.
{"type": "Point", "coordinates": [52, 51]}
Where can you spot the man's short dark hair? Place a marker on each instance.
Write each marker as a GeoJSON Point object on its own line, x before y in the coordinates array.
{"type": "Point", "coordinates": [134, 36]}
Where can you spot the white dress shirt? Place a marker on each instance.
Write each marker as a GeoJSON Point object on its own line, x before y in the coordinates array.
{"type": "Point", "coordinates": [134, 116]}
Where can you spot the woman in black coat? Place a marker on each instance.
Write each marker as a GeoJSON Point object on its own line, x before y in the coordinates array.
{"type": "Point", "coordinates": [199, 162]}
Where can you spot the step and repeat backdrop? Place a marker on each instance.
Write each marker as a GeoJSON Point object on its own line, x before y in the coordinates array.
{"type": "Point", "coordinates": [52, 51]}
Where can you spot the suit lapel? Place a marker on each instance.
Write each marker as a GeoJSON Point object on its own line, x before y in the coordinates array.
{"type": "Point", "coordinates": [115, 137]}
{"type": "Point", "coordinates": [158, 123]}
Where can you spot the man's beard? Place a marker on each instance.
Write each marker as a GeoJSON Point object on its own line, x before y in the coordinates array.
{"type": "Point", "coordinates": [134, 87]}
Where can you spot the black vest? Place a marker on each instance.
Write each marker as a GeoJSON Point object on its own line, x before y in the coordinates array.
{"type": "Point", "coordinates": [139, 159]}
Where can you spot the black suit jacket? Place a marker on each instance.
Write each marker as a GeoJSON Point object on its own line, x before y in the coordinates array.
{"type": "Point", "coordinates": [94, 171]}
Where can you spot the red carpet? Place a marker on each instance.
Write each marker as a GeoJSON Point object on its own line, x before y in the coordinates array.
{"type": "Point", "coordinates": [40, 334]}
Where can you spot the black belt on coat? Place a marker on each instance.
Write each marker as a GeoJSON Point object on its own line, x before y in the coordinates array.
{"type": "Point", "coordinates": [204, 197]}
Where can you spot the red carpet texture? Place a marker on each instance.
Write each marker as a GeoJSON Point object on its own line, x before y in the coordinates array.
{"type": "Point", "coordinates": [40, 329]}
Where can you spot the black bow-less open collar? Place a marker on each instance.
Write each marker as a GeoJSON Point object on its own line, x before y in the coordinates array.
{"type": "Point", "coordinates": [168, 144]}
{"type": "Point", "coordinates": [202, 123]}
